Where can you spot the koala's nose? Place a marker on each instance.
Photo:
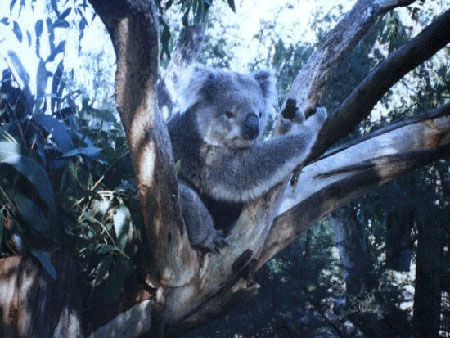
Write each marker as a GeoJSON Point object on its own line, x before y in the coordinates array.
{"type": "Point", "coordinates": [251, 127]}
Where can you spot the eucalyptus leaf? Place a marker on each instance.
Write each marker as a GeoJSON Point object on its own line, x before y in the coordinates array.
{"type": "Point", "coordinates": [44, 258]}
{"type": "Point", "coordinates": [39, 27]}
{"type": "Point", "coordinates": [57, 129]}
{"type": "Point", "coordinates": [41, 82]}
{"type": "Point", "coordinates": [61, 24]}
{"type": "Point", "coordinates": [232, 5]}
{"type": "Point", "coordinates": [31, 213]}
{"type": "Point", "coordinates": [64, 14]}
{"type": "Point", "coordinates": [17, 31]}
{"type": "Point", "coordinates": [103, 268]}
{"type": "Point", "coordinates": [29, 39]}
{"type": "Point", "coordinates": [8, 148]}
{"type": "Point", "coordinates": [107, 248]}
{"type": "Point", "coordinates": [34, 172]}
{"type": "Point", "coordinates": [122, 225]}
{"type": "Point", "coordinates": [13, 2]}
{"type": "Point", "coordinates": [117, 277]}
{"type": "Point", "coordinates": [59, 49]}
{"type": "Point", "coordinates": [90, 151]}
{"type": "Point", "coordinates": [19, 68]}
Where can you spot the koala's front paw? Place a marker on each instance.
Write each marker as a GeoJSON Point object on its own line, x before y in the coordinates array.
{"type": "Point", "coordinates": [321, 114]}
{"type": "Point", "coordinates": [318, 118]}
{"type": "Point", "coordinates": [214, 241]}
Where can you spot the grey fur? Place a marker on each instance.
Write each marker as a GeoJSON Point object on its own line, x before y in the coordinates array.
{"type": "Point", "coordinates": [221, 157]}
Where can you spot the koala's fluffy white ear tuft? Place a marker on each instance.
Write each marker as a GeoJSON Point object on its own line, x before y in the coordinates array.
{"type": "Point", "coordinates": [191, 82]}
{"type": "Point", "coordinates": [268, 83]}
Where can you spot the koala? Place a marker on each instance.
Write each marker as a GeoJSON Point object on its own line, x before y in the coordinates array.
{"type": "Point", "coordinates": [218, 143]}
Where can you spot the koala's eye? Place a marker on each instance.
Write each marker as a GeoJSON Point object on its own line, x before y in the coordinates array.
{"type": "Point", "coordinates": [229, 115]}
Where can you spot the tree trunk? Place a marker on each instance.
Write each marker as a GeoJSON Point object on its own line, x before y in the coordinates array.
{"type": "Point", "coordinates": [399, 239]}
{"type": "Point", "coordinates": [427, 297]}
{"type": "Point", "coordinates": [32, 304]}
{"type": "Point", "coordinates": [351, 240]}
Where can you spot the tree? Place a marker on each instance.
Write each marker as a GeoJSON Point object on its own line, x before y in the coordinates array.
{"type": "Point", "coordinates": [184, 288]}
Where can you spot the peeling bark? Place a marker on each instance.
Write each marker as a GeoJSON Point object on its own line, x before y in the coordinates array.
{"type": "Point", "coordinates": [341, 176]}
{"type": "Point", "coordinates": [358, 105]}
{"type": "Point", "coordinates": [314, 78]}
{"type": "Point", "coordinates": [33, 304]}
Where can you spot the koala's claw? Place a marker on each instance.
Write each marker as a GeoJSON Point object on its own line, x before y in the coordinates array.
{"type": "Point", "coordinates": [321, 113]}
{"type": "Point", "coordinates": [217, 243]}
{"type": "Point", "coordinates": [221, 243]}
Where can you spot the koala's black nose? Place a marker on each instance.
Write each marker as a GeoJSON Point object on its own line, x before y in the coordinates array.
{"type": "Point", "coordinates": [251, 127]}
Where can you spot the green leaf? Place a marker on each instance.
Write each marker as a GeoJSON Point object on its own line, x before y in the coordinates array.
{"type": "Point", "coordinates": [116, 280]}
{"type": "Point", "coordinates": [57, 129]}
{"type": "Point", "coordinates": [8, 148]}
{"type": "Point", "coordinates": [38, 28]}
{"type": "Point", "coordinates": [122, 225]}
{"type": "Point", "coordinates": [44, 259]}
{"type": "Point", "coordinates": [107, 248]}
{"type": "Point", "coordinates": [232, 5]}
{"type": "Point", "coordinates": [34, 172]}
{"type": "Point", "coordinates": [103, 268]}
{"type": "Point", "coordinates": [17, 31]}
{"type": "Point", "coordinates": [31, 213]}
{"type": "Point", "coordinates": [90, 151]}
{"type": "Point", "coordinates": [19, 68]}
{"type": "Point", "coordinates": [177, 167]}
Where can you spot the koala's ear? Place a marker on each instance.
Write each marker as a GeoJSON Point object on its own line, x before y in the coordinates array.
{"type": "Point", "coordinates": [268, 83]}
{"type": "Point", "coordinates": [192, 82]}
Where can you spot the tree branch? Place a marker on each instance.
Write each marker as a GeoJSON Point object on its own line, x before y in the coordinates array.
{"type": "Point", "coordinates": [314, 78]}
{"type": "Point", "coordinates": [342, 176]}
{"type": "Point", "coordinates": [134, 30]}
{"type": "Point", "coordinates": [185, 54]}
{"type": "Point", "coordinates": [358, 105]}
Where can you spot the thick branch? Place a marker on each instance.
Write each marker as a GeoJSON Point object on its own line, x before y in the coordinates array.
{"type": "Point", "coordinates": [134, 30]}
{"type": "Point", "coordinates": [336, 179]}
{"type": "Point", "coordinates": [314, 78]}
{"type": "Point", "coordinates": [360, 102]}
{"type": "Point", "coordinates": [185, 54]}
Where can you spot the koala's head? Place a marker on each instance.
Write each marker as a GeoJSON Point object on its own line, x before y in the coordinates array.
{"type": "Point", "coordinates": [231, 109]}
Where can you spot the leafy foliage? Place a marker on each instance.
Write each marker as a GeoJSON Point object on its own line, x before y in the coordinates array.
{"type": "Point", "coordinates": [66, 181]}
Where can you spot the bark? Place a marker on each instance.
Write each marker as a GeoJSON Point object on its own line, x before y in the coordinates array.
{"type": "Point", "coordinates": [184, 56]}
{"type": "Point", "coordinates": [351, 240]}
{"type": "Point", "coordinates": [399, 242]}
{"type": "Point", "coordinates": [134, 30]}
{"type": "Point", "coordinates": [33, 304]}
{"type": "Point", "coordinates": [312, 82]}
{"type": "Point", "coordinates": [358, 105]}
{"type": "Point", "coordinates": [351, 171]}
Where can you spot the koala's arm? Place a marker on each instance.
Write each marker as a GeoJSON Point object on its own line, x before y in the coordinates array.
{"type": "Point", "coordinates": [249, 173]}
